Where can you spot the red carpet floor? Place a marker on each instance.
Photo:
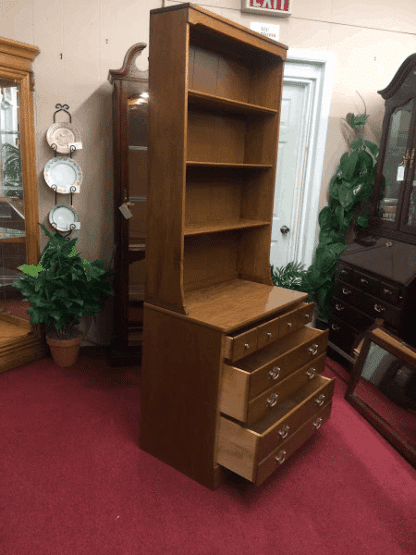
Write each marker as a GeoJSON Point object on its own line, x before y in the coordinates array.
{"type": "Point", "coordinates": [73, 481]}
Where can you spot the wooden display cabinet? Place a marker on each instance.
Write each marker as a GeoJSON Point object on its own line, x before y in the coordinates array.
{"type": "Point", "coordinates": [222, 344]}
{"type": "Point", "coordinates": [130, 112]}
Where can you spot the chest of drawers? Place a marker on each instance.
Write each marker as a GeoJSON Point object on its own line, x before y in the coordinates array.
{"type": "Point", "coordinates": [374, 282]}
{"type": "Point", "coordinates": [244, 399]}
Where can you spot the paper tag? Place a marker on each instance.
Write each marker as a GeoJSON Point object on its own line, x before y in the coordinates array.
{"type": "Point", "coordinates": [266, 29]}
{"type": "Point", "coordinates": [400, 173]}
{"type": "Point", "coordinates": [78, 146]}
{"type": "Point", "coordinates": [124, 209]}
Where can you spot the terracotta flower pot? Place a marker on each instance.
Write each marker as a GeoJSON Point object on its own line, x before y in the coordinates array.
{"type": "Point", "coordinates": [64, 351]}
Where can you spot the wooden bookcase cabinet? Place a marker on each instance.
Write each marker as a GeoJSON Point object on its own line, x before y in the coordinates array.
{"type": "Point", "coordinates": [214, 324]}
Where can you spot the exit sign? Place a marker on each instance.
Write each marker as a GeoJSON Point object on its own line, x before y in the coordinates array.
{"type": "Point", "coordinates": [279, 8]}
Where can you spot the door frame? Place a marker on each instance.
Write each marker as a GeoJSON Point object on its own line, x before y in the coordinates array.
{"type": "Point", "coordinates": [314, 70]}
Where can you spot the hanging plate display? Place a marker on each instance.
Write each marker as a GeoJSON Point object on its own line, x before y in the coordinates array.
{"type": "Point", "coordinates": [63, 173]}
{"type": "Point", "coordinates": [62, 135]}
{"type": "Point", "coordinates": [62, 216]}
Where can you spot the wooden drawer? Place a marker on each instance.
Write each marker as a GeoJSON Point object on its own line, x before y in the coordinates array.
{"type": "Point", "coordinates": [390, 293]}
{"type": "Point", "coordinates": [344, 273]}
{"type": "Point", "coordinates": [257, 373]}
{"type": "Point", "coordinates": [350, 314]}
{"type": "Point", "coordinates": [243, 449]}
{"type": "Point", "coordinates": [364, 281]}
{"type": "Point", "coordinates": [341, 334]}
{"type": "Point", "coordinates": [246, 342]}
{"type": "Point", "coordinates": [377, 308]}
{"type": "Point", "coordinates": [286, 449]}
{"type": "Point", "coordinates": [348, 293]}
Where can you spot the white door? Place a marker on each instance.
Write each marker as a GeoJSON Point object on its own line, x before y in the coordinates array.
{"type": "Point", "coordinates": [289, 174]}
{"type": "Point", "coordinates": [306, 95]}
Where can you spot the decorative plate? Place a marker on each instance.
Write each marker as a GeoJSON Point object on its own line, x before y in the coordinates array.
{"type": "Point", "coordinates": [63, 173]}
{"type": "Point", "coordinates": [62, 216]}
{"type": "Point", "coordinates": [62, 135]}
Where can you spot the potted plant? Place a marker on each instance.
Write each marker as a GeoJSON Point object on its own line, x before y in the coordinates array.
{"type": "Point", "coordinates": [61, 289]}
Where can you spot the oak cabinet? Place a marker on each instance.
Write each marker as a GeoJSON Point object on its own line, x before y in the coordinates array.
{"type": "Point", "coordinates": [224, 349]}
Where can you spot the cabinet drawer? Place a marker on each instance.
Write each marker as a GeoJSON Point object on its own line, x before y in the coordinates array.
{"type": "Point", "coordinates": [241, 344]}
{"type": "Point", "coordinates": [273, 397]}
{"type": "Point", "coordinates": [287, 448]}
{"type": "Point", "coordinates": [305, 314]}
{"type": "Point", "coordinates": [242, 449]}
{"type": "Point", "coordinates": [377, 308]}
{"type": "Point", "coordinates": [364, 281]}
{"type": "Point", "coordinates": [344, 273]}
{"type": "Point", "coordinates": [288, 323]}
{"type": "Point", "coordinates": [350, 314]}
{"type": "Point", "coordinates": [257, 373]}
{"type": "Point", "coordinates": [341, 334]}
{"type": "Point", "coordinates": [348, 293]}
{"type": "Point", "coordinates": [390, 293]}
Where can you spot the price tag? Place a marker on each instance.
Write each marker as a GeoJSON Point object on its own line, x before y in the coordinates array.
{"type": "Point", "coordinates": [400, 173]}
{"type": "Point", "coordinates": [124, 209]}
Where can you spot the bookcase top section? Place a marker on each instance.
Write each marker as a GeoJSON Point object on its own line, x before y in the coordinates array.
{"type": "Point", "coordinates": [200, 17]}
{"type": "Point", "coordinates": [237, 303]}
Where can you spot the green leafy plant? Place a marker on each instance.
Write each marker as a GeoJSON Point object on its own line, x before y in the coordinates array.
{"type": "Point", "coordinates": [290, 276]}
{"type": "Point", "coordinates": [350, 191]}
{"type": "Point", "coordinates": [63, 288]}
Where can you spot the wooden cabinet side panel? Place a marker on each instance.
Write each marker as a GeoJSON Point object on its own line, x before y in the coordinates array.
{"type": "Point", "coordinates": [179, 393]}
{"type": "Point", "coordinates": [168, 75]}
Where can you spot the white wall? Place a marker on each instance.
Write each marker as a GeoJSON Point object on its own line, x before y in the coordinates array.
{"type": "Point", "coordinates": [370, 40]}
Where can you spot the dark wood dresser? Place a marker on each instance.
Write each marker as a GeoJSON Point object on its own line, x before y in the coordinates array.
{"type": "Point", "coordinates": [376, 275]}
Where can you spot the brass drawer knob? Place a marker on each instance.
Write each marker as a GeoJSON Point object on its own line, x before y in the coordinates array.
{"type": "Point", "coordinates": [284, 432]}
{"type": "Point", "coordinates": [281, 457]}
{"type": "Point", "coordinates": [313, 349]}
{"type": "Point", "coordinates": [268, 335]}
{"type": "Point", "coordinates": [272, 400]}
{"type": "Point", "coordinates": [346, 291]}
{"type": "Point", "coordinates": [311, 373]}
{"type": "Point", "coordinates": [274, 373]}
{"type": "Point", "coordinates": [317, 424]}
{"type": "Point", "coordinates": [364, 281]}
{"type": "Point", "coordinates": [387, 291]}
{"type": "Point", "coordinates": [335, 327]}
{"type": "Point", "coordinates": [339, 307]}
{"type": "Point", "coordinates": [379, 308]}
{"type": "Point", "coordinates": [320, 400]}
{"type": "Point", "coordinates": [246, 346]}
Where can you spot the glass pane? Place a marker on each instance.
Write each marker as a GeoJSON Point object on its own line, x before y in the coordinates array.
{"type": "Point", "coordinates": [12, 217]}
{"type": "Point", "coordinates": [411, 215]}
{"type": "Point", "coordinates": [393, 169]}
{"type": "Point", "coordinates": [388, 386]}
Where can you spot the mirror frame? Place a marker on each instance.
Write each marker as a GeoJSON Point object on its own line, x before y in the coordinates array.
{"type": "Point", "coordinates": [403, 352]}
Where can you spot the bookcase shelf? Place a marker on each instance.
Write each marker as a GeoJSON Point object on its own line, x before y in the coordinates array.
{"type": "Point", "coordinates": [210, 302]}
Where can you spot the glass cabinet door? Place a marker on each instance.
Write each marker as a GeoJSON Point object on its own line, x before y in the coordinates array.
{"type": "Point", "coordinates": [12, 212]}
{"type": "Point", "coordinates": [396, 162]}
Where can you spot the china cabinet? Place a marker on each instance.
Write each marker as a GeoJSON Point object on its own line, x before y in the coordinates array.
{"type": "Point", "coordinates": [130, 104]}
{"type": "Point", "coordinates": [231, 372]}
{"type": "Point", "coordinates": [20, 341]}
{"type": "Point", "coordinates": [376, 275]}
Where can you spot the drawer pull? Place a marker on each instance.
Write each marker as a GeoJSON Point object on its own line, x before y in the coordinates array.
{"type": "Point", "coordinates": [346, 291]}
{"type": "Point", "coordinates": [364, 281]}
{"type": "Point", "coordinates": [268, 335]}
{"type": "Point", "coordinates": [313, 349]}
{"type": "Point", "coordinates": [317, 424]}
{"type": "Point", "coordinates": [274, 373]}
{"type": "Point", "coordinates": [320, 400]}
{"type": "Point", "coordinates": [284, 432]}
{"type": "Point", "coordinates": [311, 373]}
{"type": "Point", "coordinates": [307, 316]}
{"type": "Point", "coordinates": [272, 400]}
{"type": "Point", "coordinates": [246, 346]}
{"type": "Point", "coordinates": [379, 308]}
{"type": "Point", "coordinates": [387, 292]}
{"type": "Point", "coordinates": [289, 324]}
{"type": "Point", "coordinates": [335, 327]}
{"type": "Point", "coordinates": [339, 307]}
{"type": "Point", "coordinates": [281, 457]}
